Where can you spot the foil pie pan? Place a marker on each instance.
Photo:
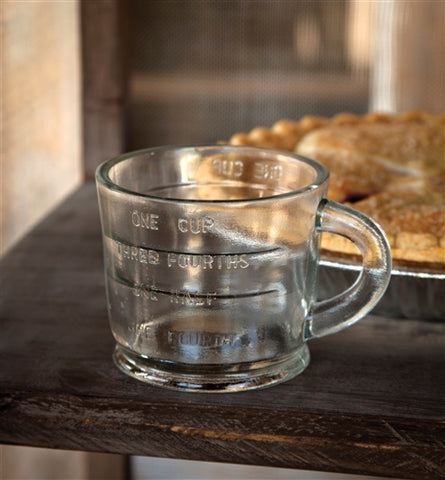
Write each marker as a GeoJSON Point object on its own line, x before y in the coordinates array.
{"type": "Point", "coordinates": [413, 292]}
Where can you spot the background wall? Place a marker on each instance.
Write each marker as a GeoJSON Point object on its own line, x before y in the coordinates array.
{"type": "Point", "coordinates": [40, 108]}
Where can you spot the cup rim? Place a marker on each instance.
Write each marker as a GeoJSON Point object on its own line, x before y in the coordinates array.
{"type": "Point", "coordinates": [102, 172]}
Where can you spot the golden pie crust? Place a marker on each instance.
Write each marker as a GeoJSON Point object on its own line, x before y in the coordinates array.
{"type": "Point", "coordinates": [388, 166]}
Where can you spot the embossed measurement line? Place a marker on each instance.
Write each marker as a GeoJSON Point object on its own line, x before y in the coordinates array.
{"type": "Point", "coordinates": [177, 252]}
{"type": "Point", "coordinates": [198, 295]}
{"type": "Point", "coordinates": [214, 295]}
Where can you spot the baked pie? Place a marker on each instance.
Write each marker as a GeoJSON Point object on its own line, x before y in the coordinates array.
{"type": "Point", "coordinates": [390, 167]}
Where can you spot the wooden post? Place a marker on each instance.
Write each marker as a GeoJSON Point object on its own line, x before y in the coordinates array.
{"type": "Point", "coordinates": [103, 82]}
{"type": "Point", "coordinates": [409, 53]}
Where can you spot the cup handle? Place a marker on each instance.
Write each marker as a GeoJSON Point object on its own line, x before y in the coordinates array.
{"type": "Point", "coordinates": [341, 311]}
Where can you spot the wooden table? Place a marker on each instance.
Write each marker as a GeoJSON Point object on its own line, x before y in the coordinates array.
{"type": "Point", "coordinates": [371, 402]}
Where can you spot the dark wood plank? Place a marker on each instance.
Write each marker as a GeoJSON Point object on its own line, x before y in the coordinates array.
{"type": "Point", "coordinates": [103, 81]}
{"type": "Point", "coordinates": [371, 402]}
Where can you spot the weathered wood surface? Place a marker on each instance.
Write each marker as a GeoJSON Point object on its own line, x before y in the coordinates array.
{"type": "Point", "coordinates": [371, 402]}
{"type": "Point", "coordinates": [103, 44]}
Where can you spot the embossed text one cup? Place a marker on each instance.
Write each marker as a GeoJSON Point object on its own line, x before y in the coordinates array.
{"type": "Point", "coordinates": [211, 257]}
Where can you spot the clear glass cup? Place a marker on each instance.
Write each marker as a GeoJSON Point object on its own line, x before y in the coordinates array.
{"type": "Point", "coordinates": [211, 257]}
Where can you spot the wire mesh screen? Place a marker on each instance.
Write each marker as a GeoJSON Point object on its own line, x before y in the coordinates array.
{"type": "Point", "coordinates": [199, 71]}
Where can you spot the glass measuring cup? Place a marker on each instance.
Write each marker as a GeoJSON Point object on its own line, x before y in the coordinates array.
{"type": "Point", "coordinates": [211, 257]}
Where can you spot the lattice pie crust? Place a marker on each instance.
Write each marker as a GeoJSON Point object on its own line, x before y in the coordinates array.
{"type": "Point", "coordinates": [391, 167]}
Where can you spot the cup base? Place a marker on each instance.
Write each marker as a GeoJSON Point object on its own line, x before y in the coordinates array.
{"type": "Point", "coordinates": [211, 378]}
